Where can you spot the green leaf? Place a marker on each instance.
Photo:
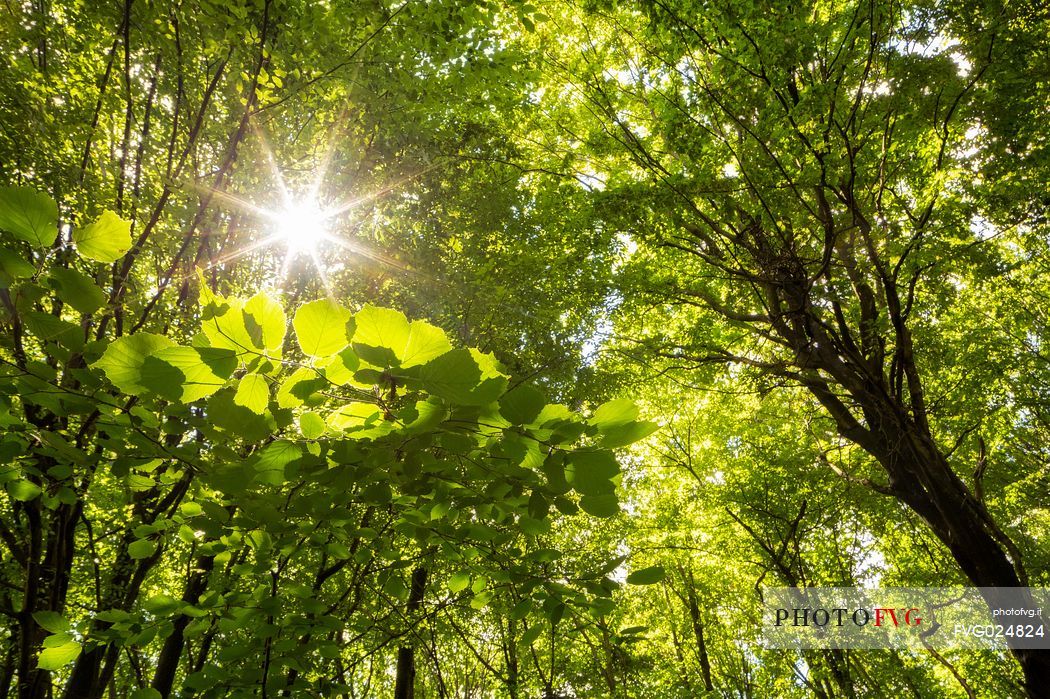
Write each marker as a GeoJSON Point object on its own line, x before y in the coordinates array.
{"type": "Point", "coordinates": [48, 327]}
{"type": "Point", "coordinates": [142, 548]}
{"type": "Point", "coordinates": [554, 469]}
{"type": "Point", "coordinates": [600, 505]}
{"type": "Point", "coordinates": [377, 493]}
{"type": "Point", "coordinates": [59, 650]}
{"type": "Point", "coordinates": [271, 462]}
{"type": "Point", "coordinates": [522, 404]}
{"type": "Point", "coordinates": [51, 621]}
{"type": "Point", "coordinates": [30, 215]}
{"type": "Point", "coordinates": [265, 321]}
{"type": "Point", "coordinates": [322, 328]}
{"type": "Point", "coordinates": [339, 368]}
{"type": "Point", "coordinates": [23, 490]}
{"type": "Point", "coordinates": [457, 377]}
{"type": "Point", "coordinates": [161, 605]}
{"type": "Point", "coordinates": [384, 337]}
{"type": "Point", "coordinates": [253, 393]}
{"type": "Point", "coordinates": [311, 425]}
{"type": "Point", "coordinates": [223, 413]}
{"type": "Point", "coordinates": [591, 472]}
{"type": "Point", "coordinates": [531, 634]}
{"type": "Point", "coordinates": [123, 359]}
{"type": "Point", "coordinates": [187, 374]}
{"type": "Point", "coordinates": [481, 600]}
{"type": "Point", "coordinates": [647, 576]}
{"type": "Point", "coordinates": [615, 412]}
{"type": "Point", "coordinates": [14, 266]}
{"type": "Point", "coordinates": [380, 334]}
{"type": "Point", "coordinates": [223, 322]}
{"type": "Point", "coordinates": [628, 433]}
{"type": "Point", "coordinates": [366, 419]}
{"type": "Point", "coordinates": [78, 290]}
{"type": "Point", "coordinates": [300, 385]}
{"type": "Point", "coordinates": [425, 342]}
{"type": "Point", "coordinates": [521, 609]}
{"type": "Point", "coordinates": [458, 582]}
{"type": "Point", "coordinates": [105, 240]}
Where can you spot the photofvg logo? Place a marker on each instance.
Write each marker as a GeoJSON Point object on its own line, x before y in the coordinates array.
{"type": "Point", "coordinates": [840, 615]}
{"type": "Point", "coordinates": [929, 617]}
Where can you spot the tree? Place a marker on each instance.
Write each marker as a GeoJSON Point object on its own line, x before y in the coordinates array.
{"type": "Point", "coordinates": [372, 447]}
{"type": "Point", "coordinates": [809, 240]}
{"type": "Point", "coordinates": [800, 175]}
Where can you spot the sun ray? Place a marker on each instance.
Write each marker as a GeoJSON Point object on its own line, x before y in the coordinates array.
{"type": "Point", "coordinates": [340, 208]}
{"type": "Point", "coordinates": [322, 273]}
{"type": "Point", "coordinates": [232, 199]}
{"type": "Point", "coordinates": [302, 222]}
{"type": "Point", "coordinates": [275, 169]}
{"type": "Point", "coordinates": [314, 191]}
{"type": "Point", "coordinates": [241, 251]}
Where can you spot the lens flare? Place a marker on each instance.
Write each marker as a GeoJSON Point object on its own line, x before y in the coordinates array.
{"type": "Point", "coordinates": [302, 227]}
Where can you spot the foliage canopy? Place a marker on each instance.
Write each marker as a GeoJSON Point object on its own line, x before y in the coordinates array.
{"type": "Point", "coordinates": [807, 241]}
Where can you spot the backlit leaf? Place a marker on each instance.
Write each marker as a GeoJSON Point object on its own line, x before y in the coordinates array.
{"type": "Point", "coordinates": [78, 290]}
{"type": "Point", "coordinates": [142, 548]}
{"type": "Point", "coordinates": [322, 328]}
{"type": "Point", "coordinates": [51, 621]}
{"type": "Point", "coordinates": [253, 393]}
{"type": "Point", "coordinates": [30, 215]}
{"type": "Point", "coordinates": [105, 240]}
{"type": "Point", "coordinates": [600, 505]}
{"type": "Point", "coordinates": [591, 472]}
{"type": "Point", "coordinates": [59, 650]}
{"type": "Point", "coordinates": [265, 321]}
{"type": "Point", "coordinates": [123, 359]}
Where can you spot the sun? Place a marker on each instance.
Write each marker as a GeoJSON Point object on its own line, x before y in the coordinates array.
{"type": "Point", "coordinates": [302, 226]}
{"type": "Point", "coordinates": [306, 225]}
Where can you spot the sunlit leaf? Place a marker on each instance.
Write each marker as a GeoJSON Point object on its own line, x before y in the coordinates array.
{"type": "Point", "coordinates": [142, 548]}
{"type": "Point", "coordinates": [458, 582]}
{"type": "Point", "coordinates": [105, 240]}
{"type": "Point", "coordinates": [265, 321]}
{"type": "Point", "coordinates": [322, 328]}
{"type": "Point", "coordinates": [30, 215]}
{"type": "Point", "coordinates": [59, 650]}
{"type": "Point", "coordinates": [311, 425]}
{"type": "Point", "coordinates": [187, 374]}
{"type": "Point", "coordinates": [457, 377]}
{"type": "Point", "coordinates": [51, 621]}
{"type": "Point", "coordinates": [123, 360]}
{"type": "Point", "coordinates": [253, 393]}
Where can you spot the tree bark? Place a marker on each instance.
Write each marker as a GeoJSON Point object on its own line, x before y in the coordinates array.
{"type": "Point", "coordinates": [405, 683]}
{"type": "Point", "coordinates": [698, 633]}
{"type": "Point", "coordinates": [168, 663]}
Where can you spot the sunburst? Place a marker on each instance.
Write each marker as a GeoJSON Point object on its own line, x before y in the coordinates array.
{"type": "Point", "coordinates": [302, 225]}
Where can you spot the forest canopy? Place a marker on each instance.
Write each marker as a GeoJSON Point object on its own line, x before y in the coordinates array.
{"type": "Point", "coordinates": [499, 349]}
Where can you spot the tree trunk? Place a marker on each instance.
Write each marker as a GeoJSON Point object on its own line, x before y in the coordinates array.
{"type": "Point", "coordinates": [698, 633]}
{"type": "Point", "coordinates": [168, 663]}
{"type": "Point", "coordinates": [45, 589]}
{"type": "Point", "coordinates": [405, 683]}
{"type": "Point", "coordinates": [921, 478]}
